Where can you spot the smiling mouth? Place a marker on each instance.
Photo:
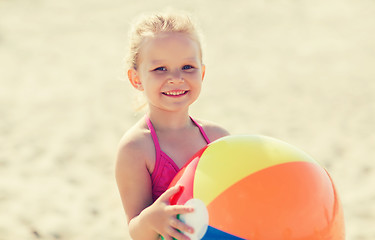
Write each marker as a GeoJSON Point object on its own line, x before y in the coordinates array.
{"type": "Point", "coordinates": [175, 93]}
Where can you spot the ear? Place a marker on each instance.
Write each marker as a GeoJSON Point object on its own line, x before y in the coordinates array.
{"type": "Point", "coordinates": [203, 71]}
{"type": "Point", "coordinates": [134, 79]}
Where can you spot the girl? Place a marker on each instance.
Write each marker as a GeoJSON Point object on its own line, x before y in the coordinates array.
{"type": "Point", "coordinates": [166, 65]}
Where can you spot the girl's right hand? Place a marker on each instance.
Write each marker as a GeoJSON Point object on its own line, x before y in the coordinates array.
{"type": "Point", "coordinates": [163, 216]}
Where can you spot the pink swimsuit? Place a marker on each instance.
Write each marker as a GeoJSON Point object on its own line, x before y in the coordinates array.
{"type": "Point", "coordinates": [165, 168]}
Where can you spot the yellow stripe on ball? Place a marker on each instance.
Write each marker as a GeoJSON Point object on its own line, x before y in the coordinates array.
{"type": "Point", "coordinates": [236, 158]}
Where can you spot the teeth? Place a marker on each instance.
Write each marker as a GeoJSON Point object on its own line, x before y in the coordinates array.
{"type": "Point", "coordinates": [174, 93]}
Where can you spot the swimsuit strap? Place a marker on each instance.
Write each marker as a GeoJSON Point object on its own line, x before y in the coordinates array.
{"type": "Point", "coordinates": [154, 136]}
{"type": "Point", "coordinates": [201, 130]}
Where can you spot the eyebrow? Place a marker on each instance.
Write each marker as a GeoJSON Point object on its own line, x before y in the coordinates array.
{"type": "Point", "coordinates": [158, 61]}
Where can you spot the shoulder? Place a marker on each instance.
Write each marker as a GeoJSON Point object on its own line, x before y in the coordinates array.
{"type": "Point", "coordinates": [213, 130]}
{"type": "Point", "coordinates": [135, 147]}
{"type": "Point", "coordinates": [135, 151]}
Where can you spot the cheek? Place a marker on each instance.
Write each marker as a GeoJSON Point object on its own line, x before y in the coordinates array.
{"type": "Point", "coordinates": [198, 78]}
{"type": "Point", "coordinates": [151, 79]}
{"type": "Point", "coordinates": [196, 85]}
{"type": "Point", "coordinates": [196, 75]}
{"type": "Point", "coordinates": [156, 78]}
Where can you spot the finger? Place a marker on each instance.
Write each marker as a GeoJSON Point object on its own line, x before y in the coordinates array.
{"type": "Point", "coordinates": [170, 192]}
{"type": "Point", "coordinates": [179, 209]}
{"type": "Point", "coordinates": [166, 237]}
{"type": "Point", "coordinates": [177, 224]}
{"type": "Point", "coordinates": [176, 234]}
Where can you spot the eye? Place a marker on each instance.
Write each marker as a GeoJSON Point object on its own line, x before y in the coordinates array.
{"type": "Point", "coordinates": [160, 69]}
{"type": "Point", "coordinates": [187, 67]}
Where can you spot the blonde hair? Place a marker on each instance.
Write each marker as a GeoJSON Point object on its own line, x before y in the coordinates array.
{"type": "Point", "coordinates": [151, 25]}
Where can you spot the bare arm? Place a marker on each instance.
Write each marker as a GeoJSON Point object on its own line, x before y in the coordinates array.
{"type": "Point", "coordinates": [134, 184]}
{"type": "Point", "coordinates": [146, 220]}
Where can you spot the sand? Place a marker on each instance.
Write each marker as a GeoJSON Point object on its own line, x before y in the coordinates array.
{"type": "Point", "coordinates": [301, 71]}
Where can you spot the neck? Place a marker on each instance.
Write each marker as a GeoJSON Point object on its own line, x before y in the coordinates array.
{"type": "Point", "coordinates": [169, 120]}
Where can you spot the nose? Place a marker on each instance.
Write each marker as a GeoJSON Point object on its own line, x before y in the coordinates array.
{"type": "Point", "coordinates": [176, 77]}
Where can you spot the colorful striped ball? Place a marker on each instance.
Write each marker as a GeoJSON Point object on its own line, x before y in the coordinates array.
{"type": "Point", "coordinates": [258, 188]}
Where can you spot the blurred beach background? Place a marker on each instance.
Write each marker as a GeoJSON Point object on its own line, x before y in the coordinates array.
{"type": "Point", "coordinates": [300, 71]}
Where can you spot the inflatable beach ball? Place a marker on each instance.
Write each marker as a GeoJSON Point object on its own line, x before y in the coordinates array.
{"type": "Point", "coordinates": [258, 188]}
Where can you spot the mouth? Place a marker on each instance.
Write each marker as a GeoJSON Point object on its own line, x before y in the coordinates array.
{"type": "Point", "coordinates": [175, 93]}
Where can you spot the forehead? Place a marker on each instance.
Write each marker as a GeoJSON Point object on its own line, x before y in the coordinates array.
{"type": "Point", "coordinates": [169, 46]}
